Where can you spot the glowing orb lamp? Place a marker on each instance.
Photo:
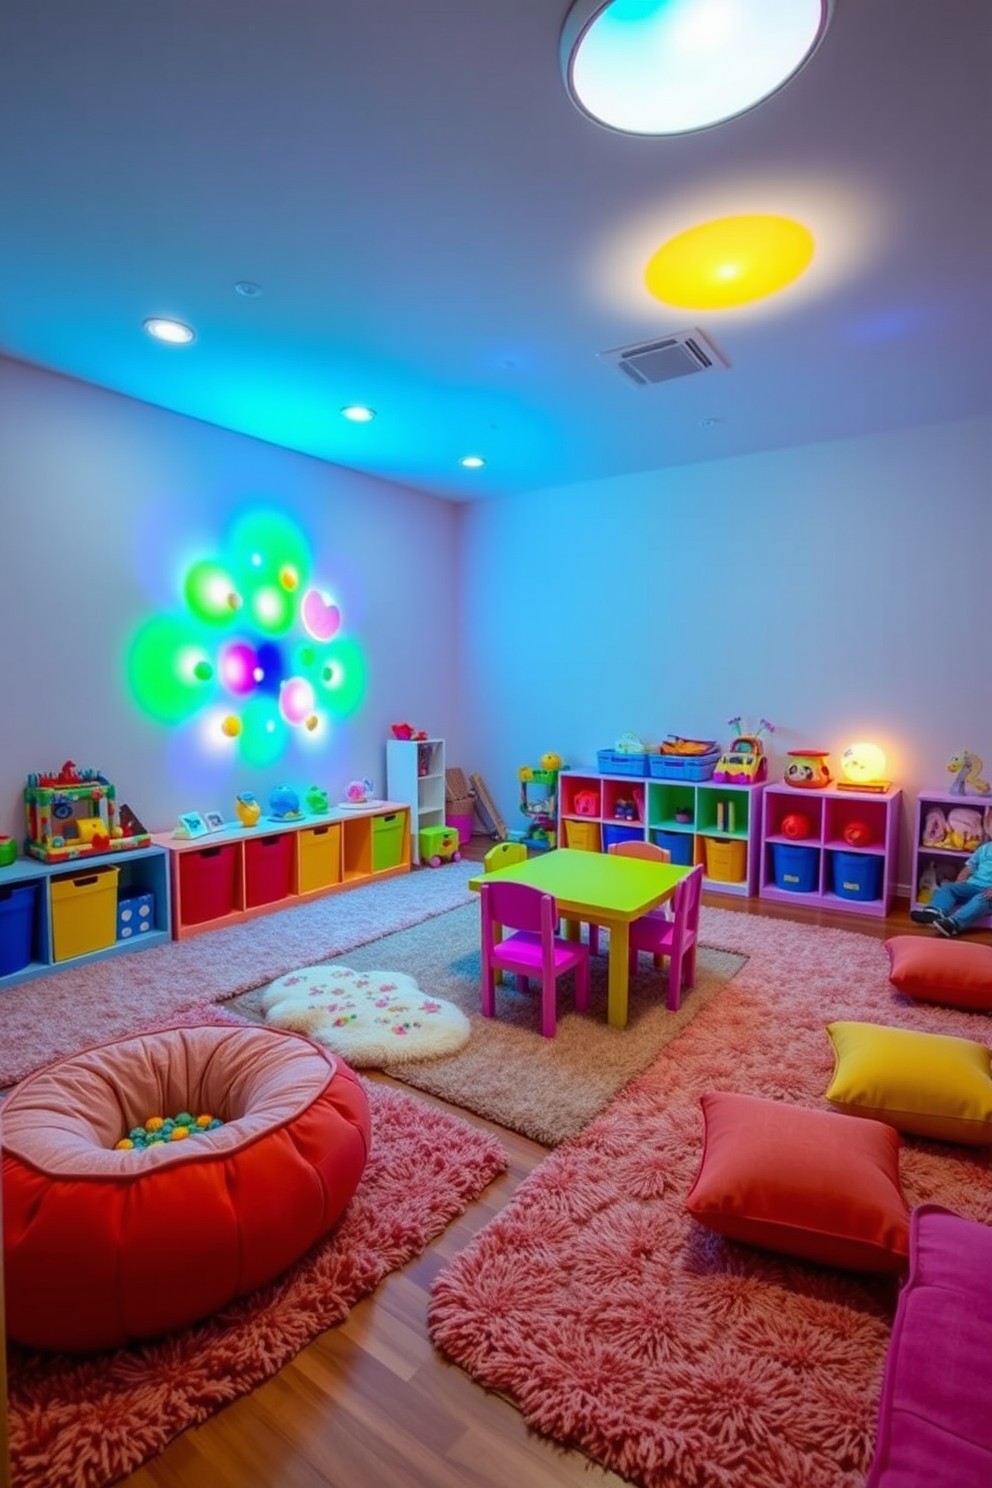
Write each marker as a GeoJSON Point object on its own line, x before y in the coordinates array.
{"type": "Point", "coordinates": [863, 766]}
{"type": "Point", "coordinates": [729, 261]}
{"type": "Point", "coordinates": [296, 700]}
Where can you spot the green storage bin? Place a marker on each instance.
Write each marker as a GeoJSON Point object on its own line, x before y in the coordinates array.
{"type": "Point", "coordinates": [387, 841]}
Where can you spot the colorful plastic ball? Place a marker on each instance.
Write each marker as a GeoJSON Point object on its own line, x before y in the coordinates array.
{"type": "Point", "coordinates": [795, 825]}
{"type": "Point", "coordinates": [185, 1118]}
{"type": "Point", "coordinates": [154, 1123]}
{"type": "Point", "coordinates": [312, 722]}
{"type": "Point", "coordinates": [288, 577]}
{"type": "Point", "coordinates": [231, 726]}
{"type": "Point", "coordinates": [858, 834]}
{"type": "Point", "coordinates": [178, 1133]}
{"type": "Point", "coordinates": [124, 1145]}
{"type": "Point", "coordinates": [203, 1121]}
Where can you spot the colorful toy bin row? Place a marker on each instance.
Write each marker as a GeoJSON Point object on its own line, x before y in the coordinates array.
{"type": "Point", "coordinates": [72, 813]}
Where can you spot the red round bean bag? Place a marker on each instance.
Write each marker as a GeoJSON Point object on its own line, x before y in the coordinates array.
{"type": "Point", "coordinates": [104, 1247]}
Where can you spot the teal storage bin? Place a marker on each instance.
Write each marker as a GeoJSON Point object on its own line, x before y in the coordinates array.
{"type": "Point", "coordinates": [857, 875]}
{"type": "Point", "coordinates": [677, 844]}
{"type": "Point", "coordinates": [16, 927]}
{"type": "Point", "coordinates": [795, 867]}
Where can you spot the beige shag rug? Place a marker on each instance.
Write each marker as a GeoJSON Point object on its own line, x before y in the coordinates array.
{"type": "Point", "coordinates": [371, 1018]}
{"type": "Point", "coordinates": [547, 1089]}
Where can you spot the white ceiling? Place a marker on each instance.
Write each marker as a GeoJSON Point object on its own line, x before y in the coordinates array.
{"type": "Point", "coordinates": [438, 232]}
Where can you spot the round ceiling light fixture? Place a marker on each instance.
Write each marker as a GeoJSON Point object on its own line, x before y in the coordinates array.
{"type": "Point", "coordinates": [730, 261]}
{"type": "Point", "coordinates": [173, 332]}
{"type": "Point", "coordinates": [472, 462]}
{"type": "Point", "coordinates": [661, 67]}
{"type": "Point", "coordinates": [358, 413]}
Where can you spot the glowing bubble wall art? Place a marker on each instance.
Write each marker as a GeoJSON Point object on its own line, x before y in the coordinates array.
{"type": "Point", "coordinates": [257, 652]}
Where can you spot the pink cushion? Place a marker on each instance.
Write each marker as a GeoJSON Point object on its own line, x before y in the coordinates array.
{"type": "Point", "coordinates": [956, 973]}
{"type": "Point", "coordinates": [935, 1416]}
{"type": "Point", "coordinates": [803, 1182]}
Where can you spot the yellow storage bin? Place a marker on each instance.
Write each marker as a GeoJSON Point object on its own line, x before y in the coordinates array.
{"type": "Point", "coordinates": [726, 859]}
{"type": "Point", "coordinates": [582, 834]}
{"type": "Point", "coordinates": [387, 840]}
{"type": "Point", "coordinates": [84, 913]}
{"type": "Point", "coordinates": [319, 863]}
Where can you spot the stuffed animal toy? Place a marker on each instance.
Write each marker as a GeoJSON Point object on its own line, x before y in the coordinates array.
{"type": "Point", "coordinates": [935, 829]}
{"type": "Point", "coordinates": [965, 827]}
{"type": "Point", "coordinates": [966, 767]}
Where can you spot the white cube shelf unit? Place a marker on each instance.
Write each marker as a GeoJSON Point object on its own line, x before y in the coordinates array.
{"type": "Point", "coordinates": [696, 821]}
{"type": "Point", "coordinates": [944, 855]}
{"type": "Point", "coordinates": [415, 775]}
{"type": "Point", "coordinates": [820, 866]}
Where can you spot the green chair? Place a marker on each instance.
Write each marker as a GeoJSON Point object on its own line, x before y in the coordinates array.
{"type": "Point", "coordinates": [503, 854]}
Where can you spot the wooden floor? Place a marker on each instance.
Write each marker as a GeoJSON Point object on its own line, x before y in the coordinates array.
{"type": "Point", "coordinates": [370, 1404]}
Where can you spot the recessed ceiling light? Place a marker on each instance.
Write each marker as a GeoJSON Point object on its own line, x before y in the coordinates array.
{"type": "Point", "coordinates": [357, 413]}
{"type": "Point", "coordinates": [709, 423]}
{"type": "Point", "coordinates": [472, 462]}
{"type": "Point", "coordinates": [670, 66]}
{"type": "Point", "coordinates": [730, 261]}
{"type": "Point", "coordinates": [172, 331]}
{"type": "Point", "coordinates": [248, 289]}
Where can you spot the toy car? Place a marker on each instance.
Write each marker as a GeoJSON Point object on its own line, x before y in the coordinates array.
{"type": "Point", "coordinates": [438, 845]}
{"type": "Point", "coordinates": [744, 763]}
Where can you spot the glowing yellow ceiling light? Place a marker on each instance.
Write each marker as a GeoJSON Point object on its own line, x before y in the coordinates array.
{"type": "Point", "coordinates": [729, 261]}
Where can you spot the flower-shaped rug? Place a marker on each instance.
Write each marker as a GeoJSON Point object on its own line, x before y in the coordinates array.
{"type": "Point", "coordinates": [371, 1018]}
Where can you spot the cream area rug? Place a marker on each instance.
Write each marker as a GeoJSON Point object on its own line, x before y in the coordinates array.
{"type": "Point", "coordinates": [547, 1089]}
{"type": "Point", "coordinates": [370, 1018]}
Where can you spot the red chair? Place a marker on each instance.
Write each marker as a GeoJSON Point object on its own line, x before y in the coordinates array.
{"type": "Point", "coordinates": [532, 951]}
{"type": "Point", "coordinates": [632, 847]}
{"type": "Point", "coordinates": [675, 938]}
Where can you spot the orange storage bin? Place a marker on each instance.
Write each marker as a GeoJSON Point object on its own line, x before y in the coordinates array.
{"type": "Point", "coordinates": [319, 864]}
{"type": "Point", "coordinates": [583, 835]}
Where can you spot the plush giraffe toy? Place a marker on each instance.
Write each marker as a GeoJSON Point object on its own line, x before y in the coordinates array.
{"type": "Point", "coordinates": [966, 768]}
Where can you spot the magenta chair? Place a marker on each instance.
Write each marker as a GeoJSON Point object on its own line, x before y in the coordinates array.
{"type": "Point", "coordinates": [675, 938]}
{"type": "Point", "coordinates": [632, 847]}
{"type": "Point", "coordinates": [533, 950]}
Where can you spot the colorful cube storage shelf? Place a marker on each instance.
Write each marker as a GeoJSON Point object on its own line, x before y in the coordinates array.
{"type": "Point", "coordinates": [84, 913]}
{"type": "Point", "coordinates": [135, 916]}
{"type": "Point", "coordinates": [17, 912]}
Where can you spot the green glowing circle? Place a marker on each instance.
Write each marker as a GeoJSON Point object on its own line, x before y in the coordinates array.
{"type": "Point", "coordinates": [344, 677]}
{"type": "Point", "coordinates": [271, 608]}
{"type": "Point", "coordinates": [264, 733]}
{"type": "Point", "coordinates": [161, 679]}
{"type": "Point", "coordinates": [208, 589]}
{"type": "Point", "coordinates": [264, 544]}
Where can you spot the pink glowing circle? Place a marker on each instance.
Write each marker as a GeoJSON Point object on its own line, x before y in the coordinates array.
{"type": "Point", "coordinates": [320, 617]}
{"type": "Point", "coordinates": [237, 667]}
{"type": "Point", "coordinates": [296, 700]}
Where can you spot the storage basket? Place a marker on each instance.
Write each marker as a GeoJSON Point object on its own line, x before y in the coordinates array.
{"type": "Point", "coordinates": [614, 834]}
{"type": "Point", "coordinates": [583, 835]}
{"type": "Point", "coordinates": [677, 844]}
{"type": "Point", "coordinates": [726, 858]}
{"type": "Point", "coordinates": [684, 766]}
{"type": "Point", "coordinates": [16, 926]}
{"type": "Point", "coordinates": [795, 867]}
{"type": "Point", "coordinates": [387, 840]}
{"type": "Point", "coordinates": [857, 875]}
{"type": "Point", "coordinates": [135, 916]}
{"type": "Point", "coordinates": [84, 913]}
{"type": "Point", "coordinates": [318, 864]}
{"type": "Point", "coordinates": [615, 762]}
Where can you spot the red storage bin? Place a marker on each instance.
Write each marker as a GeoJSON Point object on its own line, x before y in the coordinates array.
{"type": "Point", "coordinates": [208, 883]}
{"type": "Point", "coordinates": [268, 869]}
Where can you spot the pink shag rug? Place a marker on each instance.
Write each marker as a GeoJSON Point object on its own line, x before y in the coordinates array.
{"type": "Point", "coordinates": [84, 1423]}
{"type": "Point", "coordinates": [620, 1326]}
{"type": "Point", "coordinates": [54, 1016]}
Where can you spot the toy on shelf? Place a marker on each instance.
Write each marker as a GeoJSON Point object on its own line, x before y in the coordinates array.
{"type": "Point", "coordinates": [317, 801]}
{"type": "Point", "coordinates": [858, 834]}
{"type": "Point", "coordinates": [438, 845]}
{"type": "Point", "coordinates": [539, 802]}
{"type": "Point", "coordinates": [358, 793]}
{"type": "Point", "coordinates": [72, 813]}
{"type": "Point", "coordinates": [796, 825]}
{"type": "Point", "coordinates": [745, 761]}
{"type": "Point", "coordinates": [248, 809]}
{"type": "Point", "coordinates": [808, 769]}
{"type": "Point", "coordinates": [8, 851]}
{"type": "Point", "coordinates": [964, 824]}
{"type": "Point", "coordinates": [407, 731]}
{"type": "Point", "coordinates": [284, 804]}
{"type": "Point", "coordinates": [966, 767]}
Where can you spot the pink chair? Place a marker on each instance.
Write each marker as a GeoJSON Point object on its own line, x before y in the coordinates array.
{"type": "Point", "coordinates": [532, 951]}
{"type": "Point", "coordinates": [675, 938]}
{"type": "Point", "coordinates": [633, 848]}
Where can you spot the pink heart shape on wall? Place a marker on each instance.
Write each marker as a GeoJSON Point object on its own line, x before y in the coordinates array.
{"type": "Point", "coordinates": [320, 618]}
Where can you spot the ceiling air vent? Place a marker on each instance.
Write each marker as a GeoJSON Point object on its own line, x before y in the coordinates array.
{"type": "Point", "coordinates": [668, 357]}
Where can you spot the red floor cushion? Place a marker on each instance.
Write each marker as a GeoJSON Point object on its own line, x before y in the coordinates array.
{"type": "Point", "coordinates": [956, 973]}
{"type": "Point", "coordinates": [104, 1247]}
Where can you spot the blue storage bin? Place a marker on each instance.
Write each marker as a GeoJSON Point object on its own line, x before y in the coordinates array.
{"type": "Point", "coordinates": [612, 834]}
{"type": "Point", "coordinates": [135, 916]}
{"type": "Point", "coordinates": [678, 844]}
{"type": "Point", "coordinates": [795, 867]}
{"type": "Point", "coordinates": [614, 762]}
{"type": "Point", "coordinates": [857, 875]}
{"type": "Point", "coordinates": [16, 927]}
{"type": "Point", "coordinates": [684, 766]}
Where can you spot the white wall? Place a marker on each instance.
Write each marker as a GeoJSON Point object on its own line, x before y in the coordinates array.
{"type": "Point", "coordinates": [104, 503]}
{"type": "Point", "coordinates": [840, 590]}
